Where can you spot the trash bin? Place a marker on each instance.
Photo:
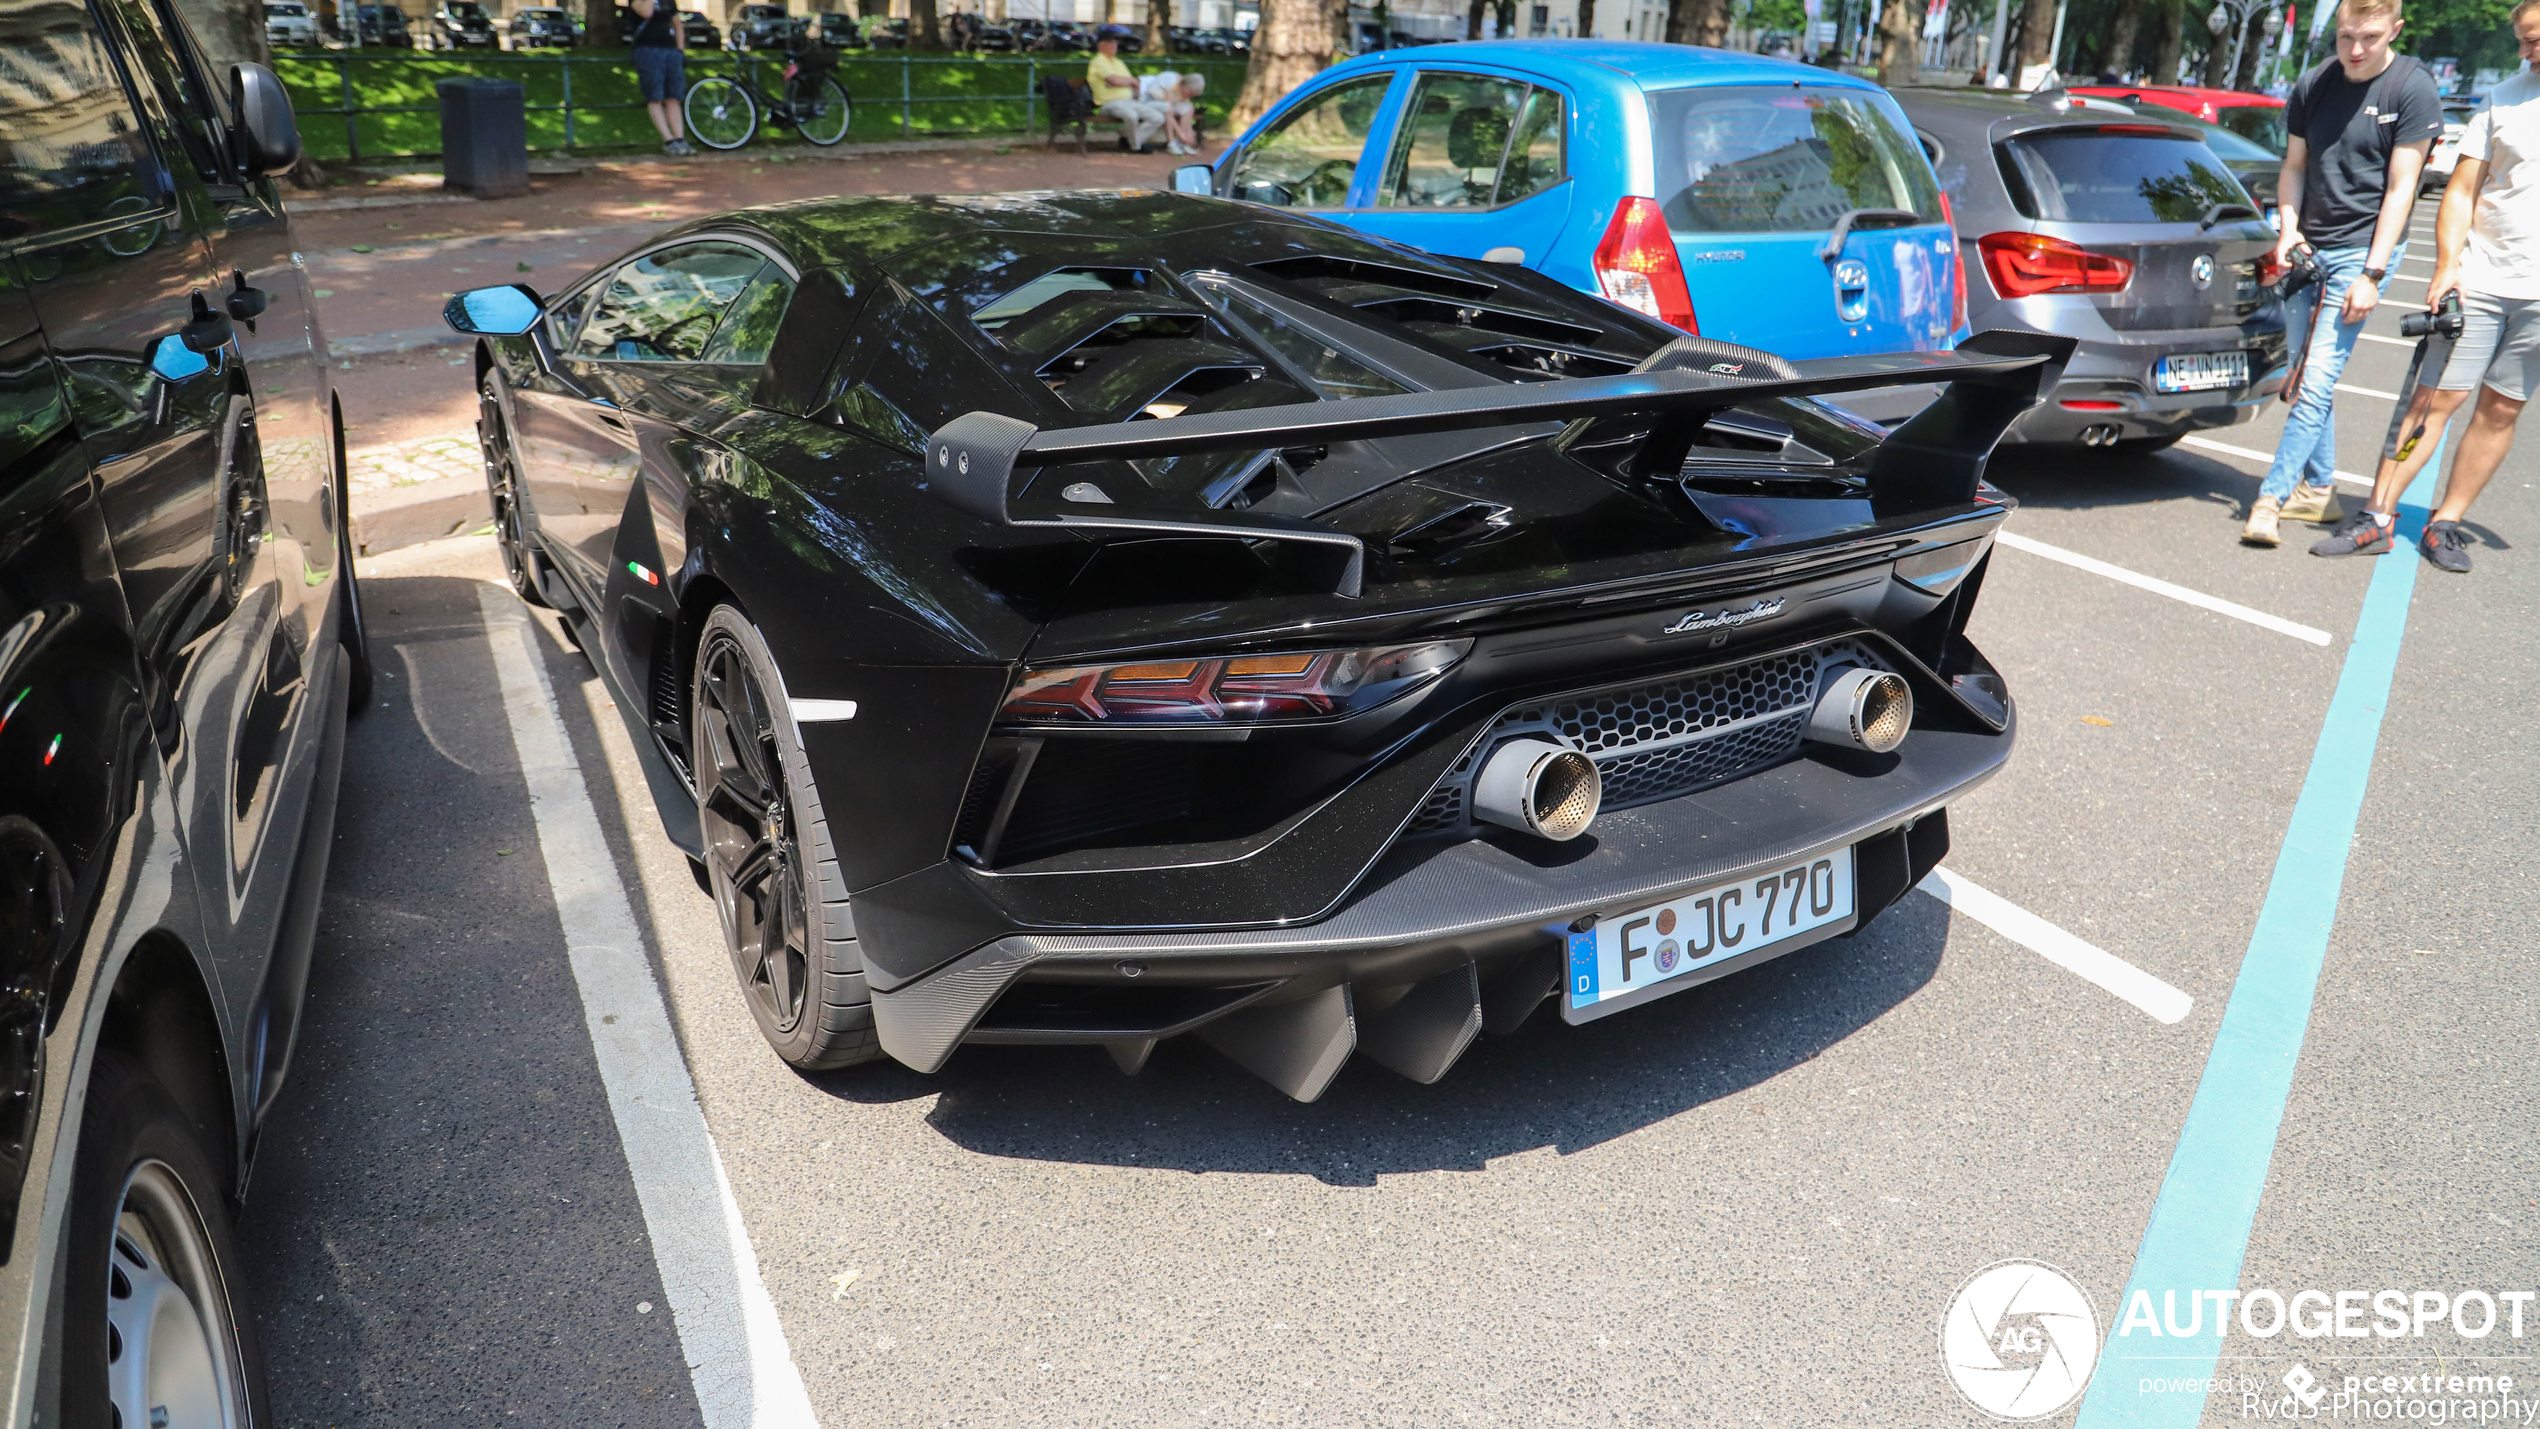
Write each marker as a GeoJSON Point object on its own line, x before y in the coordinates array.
{"type": "Point", "coordinates": [484, 137]}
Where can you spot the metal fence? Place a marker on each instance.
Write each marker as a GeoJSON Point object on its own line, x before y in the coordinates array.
{"type": "Point", "coordinates": [383, 106]}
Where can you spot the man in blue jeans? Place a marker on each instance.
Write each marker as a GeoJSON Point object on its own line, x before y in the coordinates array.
{"type": "Point", "coordinates": [2359, 127]}
{"type": "Point", "coordinates": [661, 68]}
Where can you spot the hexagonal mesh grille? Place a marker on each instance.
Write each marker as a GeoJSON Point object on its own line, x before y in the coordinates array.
{"type": "Point", "coordinates": [1667, 737]}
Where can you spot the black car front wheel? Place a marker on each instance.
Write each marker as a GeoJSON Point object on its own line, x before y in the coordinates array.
{"type": "Point", "coordinates": [152, 1333]}
{"type": "Point", "coordinates": [770, 862]}
{"type": "Point", "coordinates": [502, 488]}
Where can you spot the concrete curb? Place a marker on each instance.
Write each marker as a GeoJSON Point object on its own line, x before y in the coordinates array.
{"type": "Point", "coordinates": [404, 516]}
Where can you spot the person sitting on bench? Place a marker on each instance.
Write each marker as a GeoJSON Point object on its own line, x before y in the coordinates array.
{"type": "Point", "coordinates": [1116, 90]}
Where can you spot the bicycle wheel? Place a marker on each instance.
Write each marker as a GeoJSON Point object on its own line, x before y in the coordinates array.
{"type": "Point", "coordinates": [720, 113]}
{"type": "Point", "coordinates": [821, 110]}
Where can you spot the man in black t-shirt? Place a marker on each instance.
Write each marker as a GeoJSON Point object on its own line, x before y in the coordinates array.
{"type": "Point", "coordinates": [2360, 127]}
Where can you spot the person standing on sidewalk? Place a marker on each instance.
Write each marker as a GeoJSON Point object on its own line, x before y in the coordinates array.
{"type": "Point", "coordinates": [2360, 126]}
{"type": "Point", "coordinates": [2487, 248]}
{"type": "Point", "coordinates": [661, 68]}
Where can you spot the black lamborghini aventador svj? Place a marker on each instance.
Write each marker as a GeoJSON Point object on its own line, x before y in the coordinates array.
{"type": "Point", "coordinates": [1092, 617]}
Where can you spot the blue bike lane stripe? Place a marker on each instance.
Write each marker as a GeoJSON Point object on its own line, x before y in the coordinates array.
{"type": "Point", "coordinates": [2199, 1230]}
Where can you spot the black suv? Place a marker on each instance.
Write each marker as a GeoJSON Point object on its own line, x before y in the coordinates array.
{"type": "Point", "coordinates": [460, 25]}
{"type": "Point", "coordinates": [766, 27]}
{"type": "Point", "coordinates": [180, 645]}
{"type": "Point", "coordinates": [839, 32]}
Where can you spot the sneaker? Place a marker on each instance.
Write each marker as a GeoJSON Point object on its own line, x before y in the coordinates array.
{"type": "Point", "coordinates": [2446, 547]}
{"type": "Point", "coordinates": [2364, 534]}
{"type": "Point", "coordinates": [2310, 503]}
{"type": "Point", "coordinates": [2260, 531]}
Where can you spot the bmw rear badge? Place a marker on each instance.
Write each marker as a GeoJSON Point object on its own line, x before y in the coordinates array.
{"type": "Point", "coordinates": [2201, 272]}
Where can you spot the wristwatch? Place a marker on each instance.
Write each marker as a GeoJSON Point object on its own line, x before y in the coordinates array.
{"type": "Point", "coordinates": [2376, 274]}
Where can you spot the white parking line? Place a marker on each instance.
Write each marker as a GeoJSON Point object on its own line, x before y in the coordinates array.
{"type": "Point", "coordinates": [2347, 478]}
{"type": "Point", "coordinates": [2368, 392]}
{"type": "Point", "coordinates": [2093, 964]}
{"type": "Point", "coordinates": [2393, 341]}
{"type": "Point", "coordinates": [2137, 579]}
{"type": "Point", "coordinates": [737, 1358]}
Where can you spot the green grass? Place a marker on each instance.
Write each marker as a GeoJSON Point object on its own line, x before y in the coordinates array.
{"type": "Point", "coordinates": [397, 112]}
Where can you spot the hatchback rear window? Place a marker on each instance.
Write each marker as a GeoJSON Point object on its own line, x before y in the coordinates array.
{"type": "Point", "coordinates": [2084, 175]}
{"type": "Point", "coordinates": [1783, 159]}
{"type": "Point", "coordinates": [2259, 123]}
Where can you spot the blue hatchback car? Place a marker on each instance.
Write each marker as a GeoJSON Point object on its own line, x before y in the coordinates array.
{"type": "Point", "coordinates": [1752, 200]}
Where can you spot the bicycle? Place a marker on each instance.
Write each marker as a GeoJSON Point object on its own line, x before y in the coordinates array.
{"type": "Point", "coordinates": [724, 113]}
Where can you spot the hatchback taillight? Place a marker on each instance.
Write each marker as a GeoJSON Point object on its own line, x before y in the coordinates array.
{"type": "Point", "coordinates": [1957, 268]}
{"type": "Point", "coordinates": [2025, 264]}
{"type": "Point", "coordinates": [1636, 264]}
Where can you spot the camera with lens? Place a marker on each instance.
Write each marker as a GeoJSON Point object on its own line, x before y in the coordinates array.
{"type": "Point", "coordinates": [2445, 321]}
{"type": "Point", "coordinates": [2301, 270]}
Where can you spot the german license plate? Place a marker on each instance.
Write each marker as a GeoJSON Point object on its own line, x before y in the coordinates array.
{"type": "Point", "coordinates": [2201, 371]}
{"type": "Point", "coordinates": [1647, 949]}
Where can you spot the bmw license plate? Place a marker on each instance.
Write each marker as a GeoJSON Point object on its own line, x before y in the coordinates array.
{"type": "Point", "coordinates": [2201, 371]}
{"type": "Point", "coordinates": [1631, 957]}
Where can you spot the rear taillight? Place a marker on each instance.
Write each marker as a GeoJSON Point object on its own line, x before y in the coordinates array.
{"type": "Point", "coordinates": [1957, 268]}
{"type": "Point", "coordinates": [2268, 269]}
{"type": "Point", "coordinates": [2024, 264]}
{"type": "Point", "coordinates": [1636, 264]}
{"type": "Point", "coordinates": [1243, 689]}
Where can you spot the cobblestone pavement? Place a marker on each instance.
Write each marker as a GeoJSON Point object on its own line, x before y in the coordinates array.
{"type": "Point", "coordinates": [372, 471]}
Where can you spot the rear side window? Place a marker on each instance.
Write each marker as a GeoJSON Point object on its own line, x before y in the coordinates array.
{"type": "Point", "coordinates": [1310, 158]}
{"type": "Point", "coordinates": [749, 328]}
{"type": "Point", "coordinates": [71, 148]}
{"type": "Point", "coordinates": [1783, 159]}
{"type": "Point", "coordinates": [2084, 175]}
{"type": "Point", "coordinates": [1471, 141]}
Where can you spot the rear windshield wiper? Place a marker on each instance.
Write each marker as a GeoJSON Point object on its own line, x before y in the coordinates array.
{"type": "Point", "coordinates": [2219, 211]}
{"type": "Point", "coordinates": [1865, 218]}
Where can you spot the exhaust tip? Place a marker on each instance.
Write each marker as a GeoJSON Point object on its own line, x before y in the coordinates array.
{"type": "Point", "coordinates": [1538, 787]}
{"type": "Point", "coordinates": [1863, 709]}
{"type": "Point", "coordinates": [2101, 435]}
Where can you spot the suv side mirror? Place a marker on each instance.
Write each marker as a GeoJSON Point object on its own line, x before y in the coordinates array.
{"type": "Point", "coordinates": [507, 311]}
{"type": "Point", "coordinates": [1194, 179]}
{"type": "Point", "coordinates": [268, 138]}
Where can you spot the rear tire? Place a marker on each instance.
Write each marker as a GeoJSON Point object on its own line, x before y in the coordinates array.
{"type": "Point", "coordinates": [829, 115]}
{"type": "Point", "coordinates": [720, 113]}
{"type": "Point", "coordinates": [150, 1315]}
{"type": "Point", "coordinates": [770, 861]}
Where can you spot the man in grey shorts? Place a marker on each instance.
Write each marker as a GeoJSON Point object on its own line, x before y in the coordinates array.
{"type": "Point", "coordinates": [2487, 246]}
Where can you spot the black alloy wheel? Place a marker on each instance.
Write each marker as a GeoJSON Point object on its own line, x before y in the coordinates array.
{"type": "Point", "coordinates": [769, 862]}
{"type": "Point", "coordinates": [502, 484]}
{"type": "Point", "coordinates": [152, 1331]}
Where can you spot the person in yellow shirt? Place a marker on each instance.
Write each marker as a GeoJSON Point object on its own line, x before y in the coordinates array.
{"type": "Point", "coordinates": [1116, 90]}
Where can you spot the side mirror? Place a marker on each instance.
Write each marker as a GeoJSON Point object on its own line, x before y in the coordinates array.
{"type": "Point", "coordinates": [1194, 179]}
{"type": "Point", "coordinates": [507, 311]}
{"type": "Point", "coordinates": [268, 139]}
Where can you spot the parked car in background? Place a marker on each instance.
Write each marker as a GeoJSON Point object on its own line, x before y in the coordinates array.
{"type": "Point", "coordinates": [884, 34]}
{"type": "Point", "coordinates": [2126, 232]}
{"type": "Point", "coordinates": [839, 31]}
{"type": "Point", "coordinates": [181, 643]}
{"type": "Point", "coordinates": [698, 32]}
{"type": "Point", "coordinates": [2255, 117]}
{"type": "Point", "coordinates": [765, 27]}
{"type": "Point", "coordinates": [1237, 42]}
{"type": "Point", "coordinates": [288, 22]}
{"type": "Point", "coordinates": [538, 27]}
{"type": "Point", "coordinates": [995, 38]}
{"type": "Point", "coordinates": [460, 25]}
{"type": "Point", "coordinates": [381, 27]}
{"type": "Point", "coordinates": [1754, 201]}
{"type": "Point", "coordinates": [1458, 689]}
{"type": "Point", "coordinates": [2447, 150]}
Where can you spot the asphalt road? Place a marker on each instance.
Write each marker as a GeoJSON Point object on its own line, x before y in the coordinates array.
{"type": "Point", "coordinates": [1748, 1203]}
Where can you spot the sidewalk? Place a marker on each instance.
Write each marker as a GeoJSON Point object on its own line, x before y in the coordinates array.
{"type": "Point", "coordinates": [385, 256]}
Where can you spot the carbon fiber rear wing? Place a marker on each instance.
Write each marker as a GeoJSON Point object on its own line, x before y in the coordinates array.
{"type": "Point", "coordinates": [1934, 459]}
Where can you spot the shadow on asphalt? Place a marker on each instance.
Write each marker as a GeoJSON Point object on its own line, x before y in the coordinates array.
{"type": "Point", "coordinates": [2078, 479]}
{"type": "Point", "coordinates": [1547, 1085]}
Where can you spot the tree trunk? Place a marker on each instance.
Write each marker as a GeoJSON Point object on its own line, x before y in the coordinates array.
{"type": "Point", "coordinates": [2253, 51]}
{"type": "Point", "coordinates": [2118, 53]}
{"type": "Point", "coordinates": [1159, 28]}
{"type": "Point", "coordinates": [1507, 18]}
{"type": "Point", "coordinates": [2037, 37]}
{"type": "Point", "coordinates": [2168, 16]}
{"type": "Point", "coordinates": [1587, 19]}
{"type": "Point", "coordinates": [1292, 45]}
{"type": "Point", "coordinates": [1901, 43]}
{"type": "Point", "coordinates": [1473, 19]}
{"type": "Point", "coordinates": [1344, 34]}
{"type": "Point", "coordinates": [2218, 61]}
{"type": "Point", "coordinates": [925, 31]}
